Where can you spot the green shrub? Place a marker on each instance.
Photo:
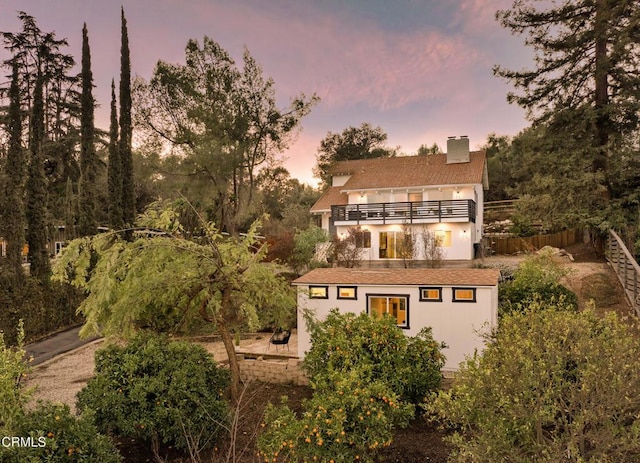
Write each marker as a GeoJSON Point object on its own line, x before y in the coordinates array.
{"type": "Point", "coordinates": [367, 376]}
{"type": "Point", "coordinates": [514, 296]}
{"type": "Point", "coordinates": [57, 436]}
{"type": "Point", "coordinates": [13, 397]}
{"type": "Point", "coordinates": [536, 279]}
{"type": "Point", "coordinates": [378, 349]}
{"type": "Point", "coordinates": [551, 386]}
{"type": "Point", "coordinates": [159, 391]}
{"type": "Point", "coordinates": [349, 423]}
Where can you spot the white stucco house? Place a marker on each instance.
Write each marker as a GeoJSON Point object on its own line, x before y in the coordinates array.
{"type": "Point", "coordinates": [442, 193]}
{"type": "Point", "coordinates": [458, 304]}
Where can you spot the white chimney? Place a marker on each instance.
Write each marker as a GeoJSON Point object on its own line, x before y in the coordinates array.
{"type": "Point", "coordinates": [457, 149]}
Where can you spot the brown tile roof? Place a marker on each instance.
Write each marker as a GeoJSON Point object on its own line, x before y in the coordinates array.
{"type": "Point", "coordinates": [410, 171]}
{"type": "Point", "coordinates": [332, 197]}
{"type": "Point", "coordinates": [401, 172]}
{"type": "Point", "coordinates": [401, 276]}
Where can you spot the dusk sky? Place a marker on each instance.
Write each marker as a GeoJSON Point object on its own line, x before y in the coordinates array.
{"type": "Point", "coordinates": [420, 69]}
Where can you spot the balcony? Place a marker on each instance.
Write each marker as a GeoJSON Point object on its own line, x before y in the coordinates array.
{"type": "Point", "coordinates": [455, 210]}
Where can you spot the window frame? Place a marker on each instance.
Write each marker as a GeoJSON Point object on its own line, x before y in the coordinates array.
{"type": "Point", "coordinates": [463, 288]}
{"type": "Point", "coordinates": [351, 298]}
{"type": "Point", "coordinates": [406, 297]}
{"type": "Point", "coordinates": [326, 291]}
{"type": "Point", "coordinates": [428, 299]}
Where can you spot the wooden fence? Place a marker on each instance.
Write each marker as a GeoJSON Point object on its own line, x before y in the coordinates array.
{"type": "Point", "coordinates": [514, 245]}
{"type": "Point", "coordinates": [625, 267]}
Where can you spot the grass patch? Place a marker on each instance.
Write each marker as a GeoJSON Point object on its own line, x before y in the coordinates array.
{"type": "Point", "coordinates": [602, 288]}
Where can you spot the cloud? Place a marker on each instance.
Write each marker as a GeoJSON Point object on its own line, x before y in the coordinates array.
{"type": "Point", "coordinates": [348, 60]}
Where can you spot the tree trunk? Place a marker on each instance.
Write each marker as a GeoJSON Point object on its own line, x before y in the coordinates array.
{"type": "Point", "coordinates": [602, 122]}
{"type": "Point", "coordinates": [234, 366]}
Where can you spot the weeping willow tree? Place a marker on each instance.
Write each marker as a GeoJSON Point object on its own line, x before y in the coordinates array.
{"type": "Point", "coordinates": [170, 275]}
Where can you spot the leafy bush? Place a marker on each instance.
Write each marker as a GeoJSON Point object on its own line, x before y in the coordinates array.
{"type": "Point", "coordinates": [366, 375]}
{"type": "Point", "coordinates": [551, 386]}
{"type": "Point", "coordinates": [13, 397]}
{"type": "Point", "coordinates": [537, 279]}
{"type": "Point", "coordinates": [349, 423]}
{"type": "Point", "coordinates": [44, 309]}
{"type": "Point", "coordinates": [378, 349]}
{"type": "Point", "coordinates": [514, 296]}
{"type": "Point", "coordinates": [57, 436]}
{"type": "Point", "coordinates": [159, 391]}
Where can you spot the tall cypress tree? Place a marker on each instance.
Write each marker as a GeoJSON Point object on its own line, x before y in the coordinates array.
{"type": "Point", "coordinates": [12, 214]}
{"type": "Point", "coordinates": [87, 224]}
{"type": "Point", "coordinates": [36, 209]}
{"type": "Point", "coordinates": [114, 174]}
{"type": "Point", "coordinates": [128, 195]}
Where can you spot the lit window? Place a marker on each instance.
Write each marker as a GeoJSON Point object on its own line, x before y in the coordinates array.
{"type": "Point", "coordinates": [431, 294]}
{"type": "Point", "coordinates": [443, 238]}
{"type": "Point", "coordinates": [347, 292]}
{"type": "Point", "coordinates": [464, 295]}
{"type": "Point", "coordinates": [318, 292]}
{"type": "Point", "coordinates": [396, 306]}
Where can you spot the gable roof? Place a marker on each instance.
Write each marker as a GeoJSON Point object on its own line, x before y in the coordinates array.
{"type": "Point", "coordinates": [401, 172]}
{"type": "Point", "coordinates": [401, 277]}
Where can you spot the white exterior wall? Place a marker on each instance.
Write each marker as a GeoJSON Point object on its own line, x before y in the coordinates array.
{"type": "Point", "coordinates": [462, 239]}
{"type": "Point", "coordinates": [458, 324]}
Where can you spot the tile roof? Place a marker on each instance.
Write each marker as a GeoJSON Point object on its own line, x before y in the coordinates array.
{"type": "Point", "coordinates": [332, 197]}
{"type": "Point", "coordinates": [401, 172]}
{"type": "Point", "coordinates": [401, 276]}
{"type": "Point", "coordinates": [410, 171]}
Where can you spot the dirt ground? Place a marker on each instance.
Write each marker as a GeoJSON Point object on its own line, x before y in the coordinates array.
{"type": "Point", "coordinates": [60, 379]}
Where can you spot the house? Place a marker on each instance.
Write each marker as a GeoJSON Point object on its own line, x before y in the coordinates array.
{"type": "Point", "coordinates": [57, 237]}
{"type": "Point", "coordinates": [385, 198]}
{"type": "Point", "coordinates": [458, 304]}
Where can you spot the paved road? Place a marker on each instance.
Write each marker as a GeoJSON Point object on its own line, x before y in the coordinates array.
{"type": "Point", "coordinates": [54, 345]}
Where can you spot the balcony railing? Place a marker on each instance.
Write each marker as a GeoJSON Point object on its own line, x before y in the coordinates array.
{"type": "Point", "coordinates": [406, 212]}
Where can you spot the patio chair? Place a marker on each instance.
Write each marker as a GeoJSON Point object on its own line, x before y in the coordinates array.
{"type": "Point", "coordinates": [280, 338]}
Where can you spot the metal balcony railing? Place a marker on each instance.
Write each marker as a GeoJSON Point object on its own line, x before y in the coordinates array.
{"type": "Point", "coordinates": [406, 212]}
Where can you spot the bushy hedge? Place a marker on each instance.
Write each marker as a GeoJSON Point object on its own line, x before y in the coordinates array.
{"type": "Point", "coordinates": [47, 432]}
{"type": "Point", "coordinates": [378, 349]}
{"type": "Point", "coordinates": [158, 390]}
{"type": "Point", "coordinates": [44, 309]}
{"type": "Point", "coordinates": [515, 296]}
{"type": "Point", "coordinates": [366, 376]}
{"type": "Point", "coordinates": [537, 279]}
{"type": "Point", "coordinates": [58, 436]}
{"type": "Point", "coordinates": [551, 386]}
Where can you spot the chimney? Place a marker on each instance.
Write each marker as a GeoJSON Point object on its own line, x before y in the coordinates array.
{"type": "Point", "coordinates": [457, 149]}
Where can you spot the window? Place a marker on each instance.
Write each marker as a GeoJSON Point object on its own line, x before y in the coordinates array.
{"type": "Point", "coordinates": [347, 292]}
{"type": "Point", "coordinates": [387, 248]}
{"type": "Point", "coordinates": [3, 248]}
{"type": "Point", "coordinates": [318, 292]}
{"type": "Point", "coordinates": [363, 239]}
{"type": "Point", "coordinates": [431, 294]}
{"type": "Point", "coordinates": [58, 245]}
{"type": "Point", "coordinates": [415, 197]}
{"type": "Point", "coordinates": [396, 306]}
{"type": "Point", "coordinates": [443, 238]}
{"type": "Point", "coordinates": [464, 294]}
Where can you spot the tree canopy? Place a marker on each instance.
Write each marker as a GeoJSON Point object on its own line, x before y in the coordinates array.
{"type": "Point", "coordinates": [221, 122]}
{"type": "Point", "coordinates": [362, 142]}
{"type": "Point", "coordinates": [582, 96]}
{"type": "Point", "coordinates": [162, 280]}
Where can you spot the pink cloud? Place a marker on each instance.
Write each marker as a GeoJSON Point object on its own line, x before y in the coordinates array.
{"type": "Point", "coordinates": [346, 60]}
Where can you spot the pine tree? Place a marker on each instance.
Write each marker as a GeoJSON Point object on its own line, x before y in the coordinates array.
{"type": "Point", "coordinates": [36, 209]}
{"type": "Point", "coordinates": [114, 175]}
{"type": "Point", "coordinates": [87, 224]}
{"type": "Point", "coordinates": [586, 55]}
{"type": "Point", "coordinates": [128, 195]}
{"type": "Point", "coordinates": [12, 214]}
